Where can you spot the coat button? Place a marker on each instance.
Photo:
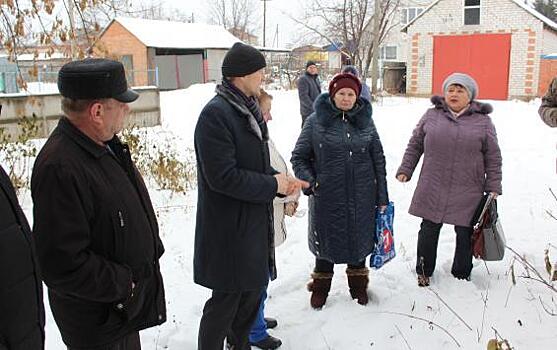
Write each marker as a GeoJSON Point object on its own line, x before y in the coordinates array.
{"type": "Point", "coordinates": [316, 242]}
{"type": "Point", "coordinates": [120, 306]}
{"type": "Point", "coordinates": [160, 317]}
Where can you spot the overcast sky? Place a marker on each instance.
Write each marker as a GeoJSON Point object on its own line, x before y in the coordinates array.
{"type": "Point", "coordinates": [287, 29]}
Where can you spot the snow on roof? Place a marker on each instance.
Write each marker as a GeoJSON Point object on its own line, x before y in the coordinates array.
{"type": "Point", "coordinates": [178, 35]}
{"type": "Point", "coordinates": [41, 56]}
{"type": "Point", "coordinates": [531, 10]}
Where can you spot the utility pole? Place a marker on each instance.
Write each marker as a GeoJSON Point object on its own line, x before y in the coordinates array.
{"type": "Point", "coordinates": [264, 19]}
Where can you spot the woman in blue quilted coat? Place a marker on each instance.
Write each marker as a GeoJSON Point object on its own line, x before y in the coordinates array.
{"type": "Point", "coordinates": [340, 154]}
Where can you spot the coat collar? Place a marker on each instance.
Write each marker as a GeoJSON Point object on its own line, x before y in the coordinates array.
{"type": "Point", "coordinates": [475, 106]}
{"type": "Point", "coordinates": [83, 140]}
{"type": "Point", "coordinates": [326, 112]}
{"type": "Point", "coordinates": [238, 105]}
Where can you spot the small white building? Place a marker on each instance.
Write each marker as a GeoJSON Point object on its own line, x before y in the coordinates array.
{"type": "Point", "coordinates": [174, 54]}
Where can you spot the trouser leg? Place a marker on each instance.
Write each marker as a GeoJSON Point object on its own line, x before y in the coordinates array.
{"type": "Point", "coordinates": [428, 239]}
{"type": "Point", "coordinates": [462, 262]}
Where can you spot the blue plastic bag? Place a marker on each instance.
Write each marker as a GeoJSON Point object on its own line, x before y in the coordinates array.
{"type": "Point", "coordinates": [385, 246]}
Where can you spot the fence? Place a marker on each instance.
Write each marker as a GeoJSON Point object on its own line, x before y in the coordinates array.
{"type": "Point", "coordinates": [45, 81]}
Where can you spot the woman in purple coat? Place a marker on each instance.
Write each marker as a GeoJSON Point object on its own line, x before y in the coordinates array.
{"type": "Point", "coordinates": [462, 161]}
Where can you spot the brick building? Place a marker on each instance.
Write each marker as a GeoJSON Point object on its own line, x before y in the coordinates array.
{"type": "Point", "coordinates": [173, 54]}
{"type": "Point", "coordinates": [498, 42]}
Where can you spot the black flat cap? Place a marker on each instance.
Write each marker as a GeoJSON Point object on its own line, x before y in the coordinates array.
{"type": "Point", "coordinates": [95, 78]}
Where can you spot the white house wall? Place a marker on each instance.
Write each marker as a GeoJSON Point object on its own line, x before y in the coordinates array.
{"type": "Point", "coordinates": [496, 17]}
{"type": "Point", "coordinates": [214, 64]}
{"type": "Point", "coordinates": [549, 42]}
{"type": "Point", "coordinates": [396, 37]}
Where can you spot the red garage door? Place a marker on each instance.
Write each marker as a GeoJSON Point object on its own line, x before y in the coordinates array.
{"type": "Point", "coordinates": [485, 57]}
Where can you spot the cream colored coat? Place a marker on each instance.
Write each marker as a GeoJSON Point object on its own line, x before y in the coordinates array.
{"type": "Point", "coordinates": [278, 163]}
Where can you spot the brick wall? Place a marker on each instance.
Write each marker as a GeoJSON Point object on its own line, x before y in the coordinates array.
{"type": "Point", "coordinates": [116, 42]}
{"type": "Point", "coordinates": [497, 16]}
{"type": "Point", "coordinates": [548, 71]}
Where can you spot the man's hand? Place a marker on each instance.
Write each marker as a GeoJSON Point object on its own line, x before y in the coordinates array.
{"type": "Point", "coordinates": [288, 185]}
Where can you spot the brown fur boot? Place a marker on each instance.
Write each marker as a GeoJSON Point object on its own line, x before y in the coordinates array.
{"type": "Point", "coordinates": [357, 281]}
{"type": "Point", "coordinates": [319, 286]}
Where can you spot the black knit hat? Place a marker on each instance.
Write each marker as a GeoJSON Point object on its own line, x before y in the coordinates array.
{"type": "Point", "coordinates": [242, 60]}
{"type": "Point", "coordinates": [310, 63]}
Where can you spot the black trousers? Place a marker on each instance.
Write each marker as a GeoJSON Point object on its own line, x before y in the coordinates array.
{"type": "Point", "coordinates": [130, 342]}
{"type": "Point", "coordinates": [428, 239]}
{"type": "Point", "coordinates": [228, 314]}
{"type": "Point", "coordinates": [327, 266]}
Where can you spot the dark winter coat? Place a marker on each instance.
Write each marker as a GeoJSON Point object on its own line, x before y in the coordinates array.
{"type": "Point", "coordinates": [234, 249]}
{"type": "Point", "coordinates": [309, 88]}
{"type": "Point", "coordinates": [96, 234]}
{"type": "Point", "coordinates": [341, 156]}
{"type": "Point", "coordinates": [462, 160]}
{"type": "Point", "coordinates": [21, 293]}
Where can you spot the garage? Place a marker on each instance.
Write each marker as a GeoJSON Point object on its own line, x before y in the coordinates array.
{"type": "Point", "coordinates": [485, 57]}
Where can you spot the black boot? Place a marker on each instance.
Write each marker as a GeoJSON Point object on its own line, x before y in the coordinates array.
{"type": "Point", "coordinates": [268, 343]}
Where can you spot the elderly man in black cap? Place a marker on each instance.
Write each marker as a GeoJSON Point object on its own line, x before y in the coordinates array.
{"type": "Point", "coordinates": [234, 237]}
{"type": "Point", "coordinates": [309, 87]}
{"type": "Point", "coordinates": [97, 234]}
{"type": "Point", "coordinates": [21, 292]}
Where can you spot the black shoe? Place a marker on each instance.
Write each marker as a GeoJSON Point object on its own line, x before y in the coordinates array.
{"type": "Point", "coordinates": [270, 322]}
{"type": "Point", "coordinates": [268, 343]}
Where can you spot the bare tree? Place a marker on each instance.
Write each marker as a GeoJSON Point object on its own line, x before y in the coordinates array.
{"type": "Point", "coordinates": [240, 17]}
{"type": "Point", "coordinates": [358, 25]}
{"type": "Point", "coordinates": [53, 25]}
{"type": "Point", "coordinates": [159, 10]}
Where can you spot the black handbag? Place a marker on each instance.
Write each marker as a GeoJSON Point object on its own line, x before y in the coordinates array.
{"type": "Point", "coordinates": [488, 239]}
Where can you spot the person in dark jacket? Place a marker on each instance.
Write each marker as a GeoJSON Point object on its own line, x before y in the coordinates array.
{"type": "Point", "coordinates": [21, 291]}
{"type": "Point", "coordinates": [462, 161]}
{"type": "Point", "coordinates": [309, 87]}
{"type": "Point", "coordinates": [365, 94]}
{"type": "Point", "coordinates": [234, 237]}
{"type": "Point", "coordinates": [548, 108]}
{"type": "Point", "coordinates": [340, 154]}
{"type": "Point", "coordinates": [97, 235]}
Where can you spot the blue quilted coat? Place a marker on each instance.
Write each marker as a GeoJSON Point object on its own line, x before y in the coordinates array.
{"type": "Point", "coordinates": [341, 156]}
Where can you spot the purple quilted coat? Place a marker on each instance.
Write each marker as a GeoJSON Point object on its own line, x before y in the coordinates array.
{"type": "Point", "coordinates": [462, 160]}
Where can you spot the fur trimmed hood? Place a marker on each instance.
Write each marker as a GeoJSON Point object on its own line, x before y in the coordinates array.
{"type": "Point", "coordinates": [475, 106]}
{"type": "Point", "coordinates": [326, 112]}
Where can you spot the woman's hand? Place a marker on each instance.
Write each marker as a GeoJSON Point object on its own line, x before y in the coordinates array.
{"type": "Point", "coordinates": [402, 178]}
{"type": "Point", "coordinates": [382, 208]}
{"type": "Point", "coordinates": [494, 195]}
{"type": "Point", "coordinates": [290, 208]}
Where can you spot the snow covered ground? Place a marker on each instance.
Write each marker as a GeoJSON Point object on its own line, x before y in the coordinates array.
{"type": "Point", "coordinates": [399, 314]}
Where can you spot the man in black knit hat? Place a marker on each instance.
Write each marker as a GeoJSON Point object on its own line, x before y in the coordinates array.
{"type": "Point", "coordinates": [234, 237]}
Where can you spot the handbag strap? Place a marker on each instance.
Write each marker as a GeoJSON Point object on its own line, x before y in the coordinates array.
{"type": "Point", "coordinates": [490, 197]}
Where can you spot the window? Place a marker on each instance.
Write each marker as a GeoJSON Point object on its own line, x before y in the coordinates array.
{"type": "Point", "coordinates": [409, 13]}
{"type": "Point", "coordinates": [388, 52]}
{"type": "Point", "coordinates": [471, 12]}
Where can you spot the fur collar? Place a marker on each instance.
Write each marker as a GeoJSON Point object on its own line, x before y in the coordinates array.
{"type": "Point", "coordinates": [243, 111]}
{"type": "Point", "coordinates": [326, 112]}
{"type": "Point", "coordinates": [475, 106]}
